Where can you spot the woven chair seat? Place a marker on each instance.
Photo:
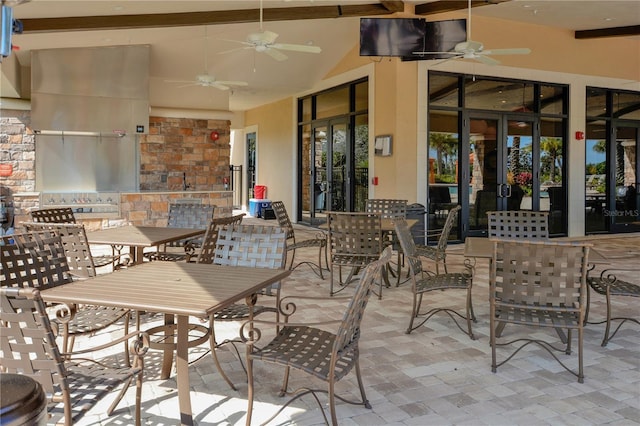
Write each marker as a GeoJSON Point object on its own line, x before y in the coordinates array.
{"type": "Point", "coordinates": [166, 256]}
{"type": "Point", "coordinates": [616, 288]}
{"type": "Point", "coordinates": [355, 260]}
{"type": "Point", "coordinates": [237, 312]}
{"type": "Point", "coordinates": [543, 317]}
{"type": "Point", "coordinates": [91, 318]}
{"type": "Point", "coordinates": [609, 285]}
{"type": "Point", "coordinates": [91, 382]}
{"type": "Point", "coordinates": [443, 281]}
{"type": "Point", "coordinates": [308, 349]}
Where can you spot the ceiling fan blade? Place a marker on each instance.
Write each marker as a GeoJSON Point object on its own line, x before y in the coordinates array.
{"type": "Point", "coordinates": [180, 81]}
{"type": "Point", "coordinates": [486, 60]}
{"type": "Point", "coordinates": [512, 51]}
{"type": "Point", "coordinates": [233, 83]}
{"type": "Point", "coordinates": [236, 49]}
{"type": "Point", "coordinates": [297, 47]}
{"type": "Point", "coordinates": [276, 54]}
{"type": "Point", "coordinates": [219, 85]}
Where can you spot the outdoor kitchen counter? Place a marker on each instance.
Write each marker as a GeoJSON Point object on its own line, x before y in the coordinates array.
{"type": "Point", "coordinates": [151, 208]}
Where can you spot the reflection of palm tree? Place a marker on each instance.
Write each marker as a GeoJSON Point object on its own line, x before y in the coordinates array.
{"type": "Point", "coordinates": [445, 146]}
{"type": "Point", "coordinates": [552, 147]}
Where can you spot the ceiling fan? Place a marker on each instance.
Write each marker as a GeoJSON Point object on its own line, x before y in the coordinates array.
{"type": "Point", "coordinates": [471, 49]}
{"type": "Point", "coordinates": [206, 79]}
{"type": "Point", "coordinates": [265, 41]}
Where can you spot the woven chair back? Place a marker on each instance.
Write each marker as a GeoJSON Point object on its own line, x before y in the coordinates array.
{"type": "Point", "coordinates": [452, 219]}
{"type": "Point", "coordinates": [54, 215]}
{"type": "Point", "coordinates": [518, 224]}
{"type": "Point", "coordinates": [34, 259]}
{"type": "Point", "coordinates": [408, 246]}
{"type": "Point", "coordinates": [539, 274]}
{"type": "Point", "coordinates": [75, 243]}
{"type": "Point", "coordinates": [256, 246]}
{"type": "Point", "coordinates": [207, 251]}
{"type": "Point", "coordinates": [27, 340]}
{"type": "Point", "coordinates": [388, 208]}
{"type": "Point", "coordinates": [348, 332]}
{"type": "Point", "coordinates": [189, 215]}
{"type": "Point", "coordinates": [352, 233]}
{"type": "Point", "coordinates": [283, 219]}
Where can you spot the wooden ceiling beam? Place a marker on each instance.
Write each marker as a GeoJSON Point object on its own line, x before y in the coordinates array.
{"type": "Point", "coordinates": [452, 6]}
{"type": "Point", "coordinates": [632, 30]}
{"type": "Point", "coordinates": [393, 6]}
{"type": "Point", "coordinates": [112, 22]}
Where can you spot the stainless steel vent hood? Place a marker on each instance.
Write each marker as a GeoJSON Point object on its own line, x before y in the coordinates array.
{"type": "Point", "coordinates": [97, 90]}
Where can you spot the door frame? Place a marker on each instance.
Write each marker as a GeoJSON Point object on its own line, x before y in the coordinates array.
{"type": "Point", "coordinates": [611, 202]}
{"type": "Point", "coordinates": [503, 189]}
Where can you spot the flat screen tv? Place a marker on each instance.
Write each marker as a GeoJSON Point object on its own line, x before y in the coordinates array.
{"type": "Point", "coordinates": [403, 36]}
{"type": "Point", "coordinates": [391, 36]}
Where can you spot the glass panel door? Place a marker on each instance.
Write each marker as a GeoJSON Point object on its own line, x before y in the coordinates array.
{"type": "Point", "coordinates": [329, 186]}
{"type": "Point", "coordinates": [251, 164]}
{"type": "Point", "coordinates": [338, 185]}
{"type": "Point", "coordinates": [502, 170]}
{"type": "Point", "coordinates": [484, 134]}
{"type": "Point", "coordinates": [625, 217]}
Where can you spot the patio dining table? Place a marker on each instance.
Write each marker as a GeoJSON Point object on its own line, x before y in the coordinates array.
{"type": "Point", "coordinates": [171, 288]}
{"type": "Point", "coordinates": [137, 238]}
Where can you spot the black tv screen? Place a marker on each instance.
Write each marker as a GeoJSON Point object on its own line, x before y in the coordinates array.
{"type": "Point", "coordinates": [440, 36]}
{"type": "Point", "coordinates": [404, 36]}
{"type": "Point", "coordinates": [391, 36]}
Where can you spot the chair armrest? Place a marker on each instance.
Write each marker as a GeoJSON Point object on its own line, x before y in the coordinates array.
{"type": "Point", "coordinates": [139, 345]}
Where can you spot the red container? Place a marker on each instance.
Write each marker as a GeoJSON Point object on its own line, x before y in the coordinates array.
{"type": "Point", "coordinates": [259, 192]}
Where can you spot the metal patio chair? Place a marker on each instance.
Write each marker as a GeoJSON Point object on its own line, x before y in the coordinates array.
{"type": "Point", "coordinates": [73, 382]}
{"type": "Point", "coordinates": [539, 284]}
{"type": "Point", "coordinates": [355, 240]}
{"type": "Point", "coordinates": [21, 255]}
{"type": "Point", "coordinates": [319, 241]}
{"type": "Point", "coordinates": [312, 349]}
{"type": "Point", "coordinates": [424, 282]}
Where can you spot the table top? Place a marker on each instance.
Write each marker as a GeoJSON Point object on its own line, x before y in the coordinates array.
{"type": "Point", "coordinates": [482, 247]}
{"type": "Point", "coordinates": [169, 287]}
{"type": "Point", "coordinates": [141, 236]}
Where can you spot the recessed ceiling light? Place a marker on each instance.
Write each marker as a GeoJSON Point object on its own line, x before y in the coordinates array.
{"type": "Point", "coordinates": [118, 8]}
{"type": "Point", "coordinates": [609, 19]}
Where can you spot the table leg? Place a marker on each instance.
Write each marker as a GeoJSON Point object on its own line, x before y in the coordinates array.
{"type": "Point", "coordinates": [182, 367]}
{"type": "Point", "coordinates": [167, 356]}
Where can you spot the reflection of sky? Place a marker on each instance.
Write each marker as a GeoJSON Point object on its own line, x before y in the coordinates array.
{"type": "Point", "coordinates": [594, 157]}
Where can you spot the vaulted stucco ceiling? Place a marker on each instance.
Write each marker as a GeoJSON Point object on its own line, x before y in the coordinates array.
{"type": "Point", "coordinates": [180, 49]}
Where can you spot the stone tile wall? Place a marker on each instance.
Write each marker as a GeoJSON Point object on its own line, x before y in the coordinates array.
{"type": "Point", "coordinates": [181, 150]}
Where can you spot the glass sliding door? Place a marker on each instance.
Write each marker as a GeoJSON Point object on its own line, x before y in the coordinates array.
{"type": "Point", "coordinates": [624, 204]}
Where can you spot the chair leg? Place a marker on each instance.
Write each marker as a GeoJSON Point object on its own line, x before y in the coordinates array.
{"type": "Point", "coordinates": [469, 315]}
{"type": "Point", "coordinates": [417, 300]}
{"type": "Point", "coordinates": [365, 401]}
{"type": "Point", "coordinates": [213, 344]}
{"type": "Point", "coordinates": [332, 402]}
{"type": "Point", "coordinates": [249, 388]}
{"type": "Point", "coordinates": [605, 339]}
{"type": "Point", "coordinates": [320, 263]}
